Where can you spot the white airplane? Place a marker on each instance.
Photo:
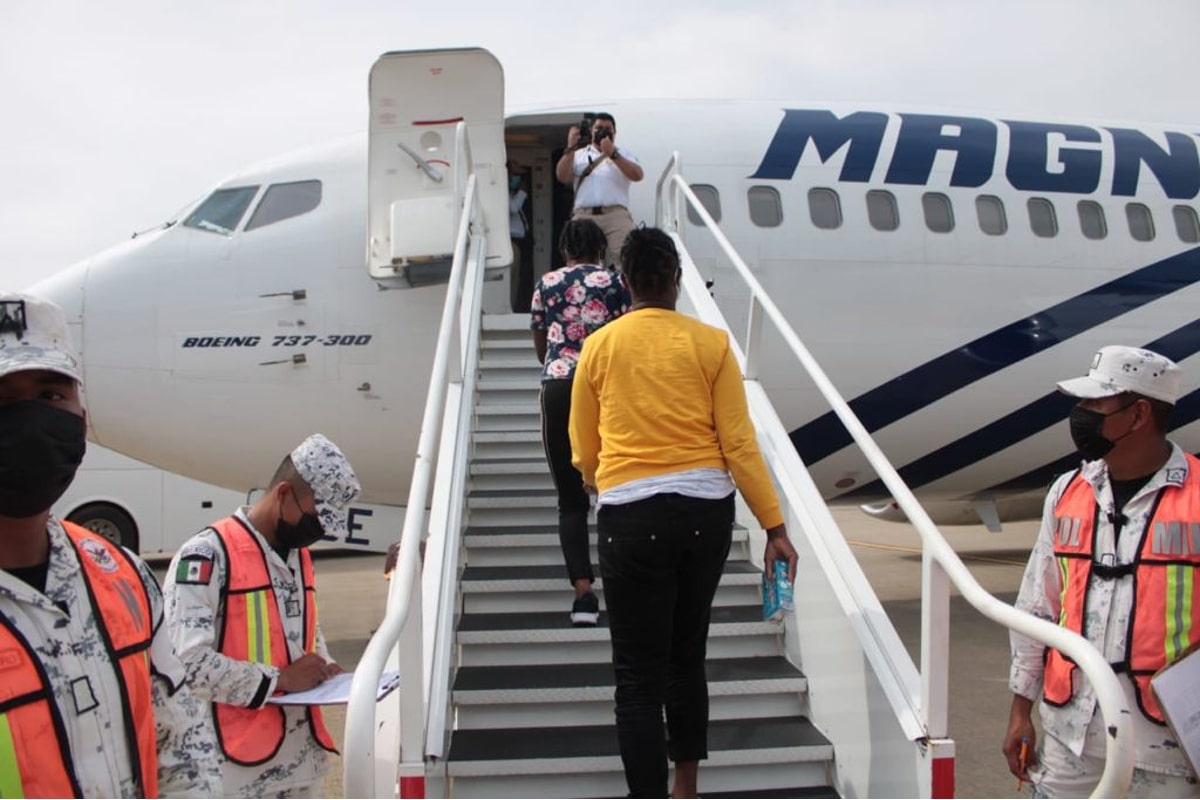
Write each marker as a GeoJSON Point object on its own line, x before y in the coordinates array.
{"type": "Point", "coordinates": [945, 269]}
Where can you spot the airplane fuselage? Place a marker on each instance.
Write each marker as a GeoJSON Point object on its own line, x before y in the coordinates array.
{"type": "Point", "coordinates": [944, 269]}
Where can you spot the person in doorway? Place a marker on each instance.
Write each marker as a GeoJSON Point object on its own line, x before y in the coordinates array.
{"type": "Point", "coordinates": [601, 174]}
{"type": "Point", "coordinates": [1103, 567]}
{"type": "Point", "coordinates": [93, 701]}
{"type": "Point", "coordinates": [569, 304]}
{"type": "Point", "coordinates": [518, 231]}
{"type": "Point", "coordinates": [659, 426]}
{"type": "Point", "coordinates": [242, 610]}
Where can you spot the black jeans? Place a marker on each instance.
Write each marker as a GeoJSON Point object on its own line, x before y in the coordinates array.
{"type": "Point", "coordinates": [573, 501]}
{"type": "Point", "coordinates": [661, 560]}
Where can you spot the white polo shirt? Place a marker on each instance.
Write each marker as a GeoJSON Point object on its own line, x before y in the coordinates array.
{"type": "Point", "coordinates": [607, 185]}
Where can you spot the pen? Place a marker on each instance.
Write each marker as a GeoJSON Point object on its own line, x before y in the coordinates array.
{"type": "Point", "coordinates": [1023, 756]}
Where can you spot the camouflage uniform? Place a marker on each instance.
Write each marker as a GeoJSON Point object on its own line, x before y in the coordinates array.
{"type": "Point", "coordinates": [1076, 730]}
{"type": "Point", "coordinates": [60, 624]}
{"type": "Point", "coordinates": [195, 613]}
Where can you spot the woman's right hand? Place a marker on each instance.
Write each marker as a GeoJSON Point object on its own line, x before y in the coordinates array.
{"type": "Point", "coordinates": [779, 548]}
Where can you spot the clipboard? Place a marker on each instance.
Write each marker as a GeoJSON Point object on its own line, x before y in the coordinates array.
{"type": "Point", "coordinates": [1177, 689]}
{"type": "Point", "coordinates": [335, 691]}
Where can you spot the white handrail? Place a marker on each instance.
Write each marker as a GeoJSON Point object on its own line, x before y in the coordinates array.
{"type": "Point", "coordinates": [359, 747]}
{"type": "Point", "coordinates": [451, 486]}
{"type": "Point", "coordinates": [1119, 747]}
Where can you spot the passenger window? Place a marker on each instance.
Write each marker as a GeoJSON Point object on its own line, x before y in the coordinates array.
{"type": "Point", "coordinates": [882, 210]}
{"type": "Point", "coordinates": [285, 200]}
{"type": "Point", "coordinates": [939, 214]}
{"type": "Point", "coordinates": [1186, 224]}
{"type": "Point", "coordinates": [1091, 219]}
{"type": "Point", "coordinates": [222, 211]}
{"type": "Point", "coordinates": [1141, 225]}
{"type": "Point", "coordinates": [824, 208]}
{"type": "Point", "coordinates": [992, 219]}
{"type": "Point", "coordinates": [766, 209]}
{"type": "Point", "coordinates": [1042, 219]}
{"type": "Point", "coordinates": [710, 199]}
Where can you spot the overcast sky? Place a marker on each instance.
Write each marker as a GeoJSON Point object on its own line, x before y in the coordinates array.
{"type": "Point", "coordinates": [117, 113]}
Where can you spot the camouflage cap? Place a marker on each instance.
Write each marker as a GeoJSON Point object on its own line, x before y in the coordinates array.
{"type": "Point", "coordinates": [34, 335]}
{"type": "Point", "coordinates": [334, 486]}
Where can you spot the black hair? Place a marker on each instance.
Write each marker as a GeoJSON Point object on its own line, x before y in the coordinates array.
{"type": "Point", "coordinates": [650, 261]}
{"type": "Point", "coordinates": [583, 240]}
{"type": "Point", "coordinates": [607, 117]}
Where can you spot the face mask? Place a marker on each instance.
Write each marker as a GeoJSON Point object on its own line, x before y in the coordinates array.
{"type": "Point", "coordinates": [307, 531]}
{"type": "Point", "coordinates": [514, 183]}
{"type": "Point", "coordinates": [40, 450]}
{"type": "Point", "coordinates": [1085, 432]}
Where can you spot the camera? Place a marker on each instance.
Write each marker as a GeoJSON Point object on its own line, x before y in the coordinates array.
{"type": "Point", "coordinates": [599, 135]}
{"type": "Point", "coordinates": [585, 130]}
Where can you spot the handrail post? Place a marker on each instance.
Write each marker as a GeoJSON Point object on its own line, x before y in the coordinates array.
{"type": "Point", "coordinates": [935, 646]}
{"type": "Point", "coordinates": [754, 339]}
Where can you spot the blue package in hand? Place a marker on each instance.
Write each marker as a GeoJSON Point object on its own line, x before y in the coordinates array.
{"type": "Point", "coordinates": [777, 592]}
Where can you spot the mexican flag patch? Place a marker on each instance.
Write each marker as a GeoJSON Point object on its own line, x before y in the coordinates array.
{"type": "Point", "coordinates": [194, 570]}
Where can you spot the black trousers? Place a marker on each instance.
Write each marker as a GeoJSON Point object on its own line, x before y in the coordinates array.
{"type": "Point", "coordinates": [573, 501]}
{"type": "Point", "coordinates": [661, 560]}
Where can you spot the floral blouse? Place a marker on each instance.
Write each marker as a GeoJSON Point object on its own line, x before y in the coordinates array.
{"type": "Point", "coordinates": [569, 304]}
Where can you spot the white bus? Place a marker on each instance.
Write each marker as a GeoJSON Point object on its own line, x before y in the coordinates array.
{"type": "Point", "coordinates": [152, 511]}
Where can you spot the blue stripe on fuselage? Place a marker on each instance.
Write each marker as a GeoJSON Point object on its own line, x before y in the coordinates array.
{"type": "Point", "coordinates": [946, 374]}
{"type": "Point", "coordinates": [1048, 410]}
{"type": "Point", "coordinates": [1187, 411]}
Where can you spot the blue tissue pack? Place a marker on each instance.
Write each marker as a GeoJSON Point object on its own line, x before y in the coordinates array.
{"type": "Point", "coordinates": [777, 591]}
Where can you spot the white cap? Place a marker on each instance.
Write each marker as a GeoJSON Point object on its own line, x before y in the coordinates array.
{"type": "Point", "coordinates": [1116, 369]}
{"type": "Point", "coordinates": [34, 335]}
{"type": "Point", "coordinates": [332, 480]}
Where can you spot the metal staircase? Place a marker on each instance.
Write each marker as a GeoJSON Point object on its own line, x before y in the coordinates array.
{"type": "Point", "coordinates": [498, 695]}
{"type": "Point", "coordinates": [533, 697]}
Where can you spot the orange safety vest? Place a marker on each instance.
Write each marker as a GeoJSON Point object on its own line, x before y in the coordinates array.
{"type": "Point", "coordinates": [252, 630]}
{"type": "Point", "coordinates": [1166, 606]}
{"type": "Point", "coordinates": [35, 752]}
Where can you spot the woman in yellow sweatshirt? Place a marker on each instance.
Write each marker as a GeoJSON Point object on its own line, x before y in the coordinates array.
{"type": "Point", "coordinates": [660, 429]}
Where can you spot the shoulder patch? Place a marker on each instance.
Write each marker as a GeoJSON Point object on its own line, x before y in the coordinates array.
{"type": "Point", "coordinates": [198, 550]}
{"type": "Point", "coordinates": [194, 570]}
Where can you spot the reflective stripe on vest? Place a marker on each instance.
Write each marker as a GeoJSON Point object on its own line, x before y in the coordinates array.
{"type": "Point", "coordinates": [252, 630]}
{"type": "Point", "coordinates": [35, 751]}
{"type": "Point", "coordinates": [1166, 612]}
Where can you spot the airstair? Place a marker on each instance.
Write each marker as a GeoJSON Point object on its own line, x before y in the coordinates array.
{"type": "Point", "coordinates": [499, 696]}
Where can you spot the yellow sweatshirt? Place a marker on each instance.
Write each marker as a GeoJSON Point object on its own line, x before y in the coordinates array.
{"type": "Point", "coordinates": [658, 392]}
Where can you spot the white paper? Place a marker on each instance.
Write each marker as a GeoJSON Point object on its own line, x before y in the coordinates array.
{"type": "Point", "coordinates": [1180, 702]}
{"type": "Point", "coordinates": [335, 691]}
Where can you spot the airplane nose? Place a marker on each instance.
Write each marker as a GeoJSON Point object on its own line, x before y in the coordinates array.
{"type": "Point", "coordinates": [66, 289]}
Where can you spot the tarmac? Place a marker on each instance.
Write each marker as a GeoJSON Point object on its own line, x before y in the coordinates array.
{"type": "Point", "coordinates": [353, 592]}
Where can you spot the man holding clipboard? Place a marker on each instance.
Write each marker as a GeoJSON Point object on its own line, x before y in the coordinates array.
{"type": "Point", "coordinates": [1117, 561]}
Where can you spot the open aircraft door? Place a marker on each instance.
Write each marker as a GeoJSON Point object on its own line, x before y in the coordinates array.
{"type": "Point", "coordinates": [418, 162]}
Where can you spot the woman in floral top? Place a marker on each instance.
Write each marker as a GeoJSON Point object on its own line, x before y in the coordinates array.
{"type": "Point", "coordinates": [568, 304]}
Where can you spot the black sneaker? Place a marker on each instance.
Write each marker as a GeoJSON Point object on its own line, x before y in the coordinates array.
{"type": "Point", "coordinates": [585, 613]}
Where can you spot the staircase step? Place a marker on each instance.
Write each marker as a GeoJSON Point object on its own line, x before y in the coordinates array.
{"type": "Point", "coordinates": [550, 578]}
{"type": "Point", "coordinates": [551, 626]}
{"type": "Point", "coordinates": [512, 466]}
{"type": "Point", "coordinates": [504, 322]}
{"type": "Point", "coordinates": [568, 683]}
{"type": "Point", "coordinates": [593, 748]}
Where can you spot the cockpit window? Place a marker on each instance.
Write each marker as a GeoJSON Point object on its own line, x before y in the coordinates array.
{"type": "Point", "coordinates": [222, 211]}
{"type": "Point", "coordinates": [285, 200]}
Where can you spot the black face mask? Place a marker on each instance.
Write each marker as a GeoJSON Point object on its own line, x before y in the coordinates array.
{"type": "Point", "coordinates": [40, 450]}
{"type": "Point", "coordinates": [1085, 432]}
{"type": "Point", "coordinates": [307, 531]}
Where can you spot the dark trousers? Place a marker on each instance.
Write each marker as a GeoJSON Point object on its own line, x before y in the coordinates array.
{"type": "Point", "coordinates": [661, 560]}
{"type": "Point", "coordinates": [573, 501]}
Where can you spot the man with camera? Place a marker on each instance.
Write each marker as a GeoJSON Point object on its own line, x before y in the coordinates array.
{"type": "Point", "coordinates": [601, 174]}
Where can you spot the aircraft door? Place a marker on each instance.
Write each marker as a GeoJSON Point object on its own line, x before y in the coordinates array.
{"type": "Point", "coordinates": [415, 177]}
